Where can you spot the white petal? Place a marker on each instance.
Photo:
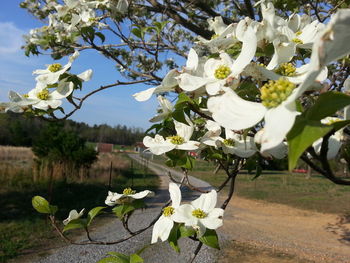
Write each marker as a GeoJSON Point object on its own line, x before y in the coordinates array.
{"type": "Point", "coordinates": [86, 75]}
{"type": "Point", "coordinates": [283, 53]}
{"type": "Point", "coordinates": [183, 214]}
{"type": "Point", "coordinates": [183, 130]}
{"type": "Point", "coordinates": [232, 112]}
{"type": "Point", "coordinates": [175, 195]}
{"type": "Point", "coordinates": [206, 202]}
{"type": "Point", "coordinates": [142, 194]}
{"type": "Point", "coordinates": [162, 229]}
{"type": "Point", "coordinates": [247, 53]}
{"type": "Point", "coordinates": [192, 60]}
{"type": "Point", "coordinates": [144, 95]}
{"type": "Point", "coordinates": [63, 90]}
{"type": "Point", "coordinates": [278, 122]}
{"type": "Point", "coordinates": [188, 82]}
{"type": "Point", "coordinates": [211, 222]}
{"type": "Point", "coordinates": [188, 146]}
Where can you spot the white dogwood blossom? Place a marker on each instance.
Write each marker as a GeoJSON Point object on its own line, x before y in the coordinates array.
{"type": "Point", "coordinates": [73, 214]}
{"type": "Point", "coordinates": [201, 213]}
{"type": "Point", "coordinates": [127, 196]}
{"type": "Point", "coordinates": [181, 141]}
{"type": "Point", "coordinates": [165, 223]}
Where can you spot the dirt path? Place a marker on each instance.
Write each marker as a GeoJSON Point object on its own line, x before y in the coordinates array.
{"type": "Point", "coordinates": [281, 234]}
{"type": "Point", "coordinates": [307, 235]}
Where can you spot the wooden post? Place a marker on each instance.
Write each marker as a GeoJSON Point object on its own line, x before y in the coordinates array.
{"type": "Point", "coordinates": [110, 176]}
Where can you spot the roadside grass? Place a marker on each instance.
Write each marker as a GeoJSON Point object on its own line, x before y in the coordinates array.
{"type": "Point", "coordinates": [24, 231]}
{"type": "Point", "coordinates": [293, 189]}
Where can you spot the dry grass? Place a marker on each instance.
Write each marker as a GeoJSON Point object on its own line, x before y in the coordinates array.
{"type": "Point", "coordinates": [12, 153]}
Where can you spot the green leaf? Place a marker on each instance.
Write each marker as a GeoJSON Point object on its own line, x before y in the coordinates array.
{"type": "Point", "coordinates": [53, 209]}
{"type": "Point", "coordinates": [186, 231]}
{"type": "Point", "coordinates": [210, 238]}
{"type": "Point", "coordinates": [41, 205]}
{"type": "Point", "coordinates": [93, 213]}
{"type": "Point", "coordinates": [174, 237]}
{"type": "Point", "coordinates": [124, 209]}
{"type": "Point", "coordinates": [182, 98]}
{"type": "Point", "coordinates": [112, 260]}
{"type": "Point", "coordinates": [327, 104]}
{"type": "Point", "coordinates": [302, 135]}
{"type": "Point", "coordinates": [137, 32]}
{"type": "Point", "coordinates": [75, 224]}
{"type": "Point", "coordinates": [101, 36]}
{"type": "Point", "coordinates": [258, 169]}
{"type": "Point", "coordinates": [189, 164]}
{"type": "Point", "coordinates": [179, 115]}
{"type": "Point", "coordinates": [134, 258]}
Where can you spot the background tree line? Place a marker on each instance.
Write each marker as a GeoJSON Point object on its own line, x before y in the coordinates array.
{"type": "Point", "coordinates": [18, 130]}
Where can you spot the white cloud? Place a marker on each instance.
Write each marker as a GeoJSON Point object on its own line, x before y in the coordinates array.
{"type": "Point", "coordinates": [11, 38]}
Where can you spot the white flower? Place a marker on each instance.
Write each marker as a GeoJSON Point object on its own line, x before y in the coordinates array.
{"type": "Point", "coordinates": [334, 141]}
{"type": "Point", "coordinates": [237, 145]}
{"type": "Point", "coordinates": [288, 71]}
{"type": "Point", "coordinates": [43, 99]}
{"type": "Point", "coordinates": [168, 84]}
{"type": "Point", "coordinates": [165, 110]}
{"type": "Point", "coordinates": [279, 152]}
{"type": "Point", "coordinates": [201, 213]}
{"type": "Point", "coordinates": [278, 109]}
{"type": "Point", "coordinates": [180, 141]}
{"type": "Point", "coordinates": [54, 71]}
{"type": "Point", "coordinates": [218, 72]}
{"type": "Point", "coordinates": [73, 214]}
{"type": "Point", "coordinates": [165, 223]}
{"type": "Point", "coordinates": [213, 133]}
{"type": "Point", "coordinates": [127, 195]}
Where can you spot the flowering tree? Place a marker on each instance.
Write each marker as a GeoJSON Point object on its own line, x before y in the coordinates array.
{"type": "Point", "coordinates": [265, 80]}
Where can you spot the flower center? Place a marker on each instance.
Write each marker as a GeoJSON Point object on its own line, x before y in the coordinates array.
{"type": "Point", "coordinates": [298, 33]}
{"type": "Point", "coordinates": [286, 69]}
{"type": "Point", "coordinates": [215, 36]}
{"type": "Point", "coordinates": [176, 139]}
{"type": "Point", "coordinates": [128, 191]}
{"type": "Point", "coordinates": [297, 40]}
{"type": "Point", "coordinates": [168, 211]}
{"type": "Point", "coordinates": [274, 93]}
{"type": "Point", "coordinates": [43, 95]}
{"type": "Point", "coordinates": [25, 96]}
{"type": "Point", "coordinates": [222, 72]}
{"type": "Point", "coordinates": [199, 213]}
{"type": "Point", "coordinates": [229, 142]}
{"type": "Point", "coordinates": [55, 67]}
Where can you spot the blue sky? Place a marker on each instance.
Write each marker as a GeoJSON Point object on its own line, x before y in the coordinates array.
{"type": "Point", "coordinates": [113, 106]}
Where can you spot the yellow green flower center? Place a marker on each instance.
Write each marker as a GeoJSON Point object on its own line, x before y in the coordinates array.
{"type": "Point", "coordinates": [229, 142]}
{"type": "Point", "coordinates": [286, 69]}
{"type": "Point", "coordinates": [214, 36]}
{"type": "Point", "coordinates": [297, 40]}
{"type": "Point", "coordinates": [128, 191]}
{"type": "Point", "coordinates": [222, 72]}
{"type": "Point", "coordinates": [168, 211]}
{"type": "Point", "coordinates": [43, 95]}
{"type": "Point", "coordinates": [199, 213]}
{"type": "Point", "coordinates": [176, 139]}
{"type": "Point", "coordinates": [298, 33]}
{"type": "Point", "coordinates": [274, 92]}
{"type": "Point", "coordinates": [332, 121]}
{"type": "Point", "coordinates": [25, 96]}
{"type": "Point", "coordinates": [55, 67]}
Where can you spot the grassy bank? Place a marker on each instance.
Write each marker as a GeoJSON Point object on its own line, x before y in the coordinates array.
{"type": "Point", "coordinates": [24, 231]}
{"type": "Point", "coordinates": [294, 189]}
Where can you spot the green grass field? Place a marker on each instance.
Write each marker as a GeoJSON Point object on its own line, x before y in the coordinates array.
{"type": "Point", "coordinates": [23, 230]}
{"type": "Point", "coordinates": [294, 189]}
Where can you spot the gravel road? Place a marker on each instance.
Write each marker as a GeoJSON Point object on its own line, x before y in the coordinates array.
{"type": "Point", "coordinates": [159, 253]}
